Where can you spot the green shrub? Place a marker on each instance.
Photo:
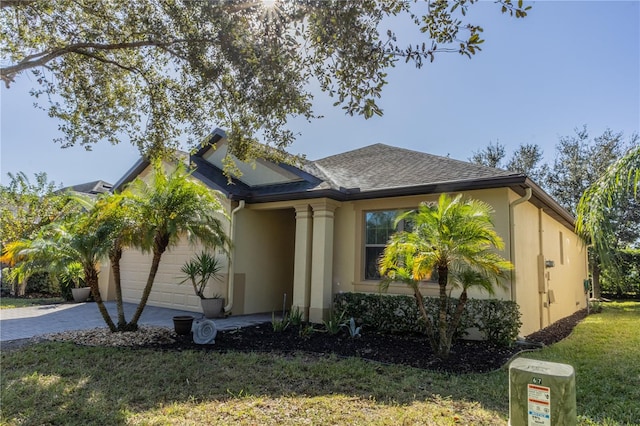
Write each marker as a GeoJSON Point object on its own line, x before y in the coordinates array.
{"type": "Point", "coordinates": [498, 320]}
{"type": "Point", "coordinates": [40, 282]}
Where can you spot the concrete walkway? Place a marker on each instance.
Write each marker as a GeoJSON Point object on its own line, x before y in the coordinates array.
{"type": "Point", "coordinates": [24, 323]}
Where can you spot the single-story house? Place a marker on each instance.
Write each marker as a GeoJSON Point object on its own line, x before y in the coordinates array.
{"type": "Point", "coordinates": [302, 234]}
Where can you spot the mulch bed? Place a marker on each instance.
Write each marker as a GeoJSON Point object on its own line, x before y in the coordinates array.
{"type": "Point", "coordinates": [411, 350]}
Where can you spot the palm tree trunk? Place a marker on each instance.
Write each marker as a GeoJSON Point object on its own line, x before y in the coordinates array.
{"type": "Point", "coordinates": [429, 325]}
{"type": "Point", "coordinates": [91, 278]}
{"type": "Point", "coordinates": [21, 288]}
{"type": "Point", "coordinates": [444, 345]}
{"type": "Point", "coordinates": [462, 302]}
{"type": "Point", "coordinates": [114, 256]}
{"type": "Point", "coordinates": [157, 254]}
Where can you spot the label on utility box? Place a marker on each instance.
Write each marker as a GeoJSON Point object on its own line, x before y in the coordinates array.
{"type": "Point", "coordinates": [539, 405]}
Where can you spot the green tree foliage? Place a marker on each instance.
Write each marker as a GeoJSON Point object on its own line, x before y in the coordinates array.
{"type": "Point", "coordinates": [152, 215]}
{"type": "Point", "coordinates": [624, 279]}
{"type": "Point", "coordinates": [456, 239]}
{"type": "Point", "coordinates": [59, 248]}
{"type": "Point", "coordinates": [490, 156]}
{"type": "Point", "coordinates": [610, 200]}
{"type": "Point", "coordinates": [525, 159]}
{"type": "Point", "coordinates": [25, 207]}
{"type": "Point", "coordinates": [154, 71]}
{"type": "Point", "coordinates": [580, 161]}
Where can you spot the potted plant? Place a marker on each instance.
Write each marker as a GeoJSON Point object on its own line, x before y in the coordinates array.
{"type": "Point", "coordinates": [200, 270]}
{"type": "Point", "coordinates": [72, 276]}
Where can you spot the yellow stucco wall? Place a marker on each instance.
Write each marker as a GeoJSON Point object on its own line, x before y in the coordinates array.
{"type": "Point", "coordinates": [537, 238]}
{"type": "Point", "coordinates": [526, 272]}
{"type": "Point", "coordinates": [349, 243]}
{"type": "Point", "coordinates": [264, 244]}
{"type": "Point", "coordinates": [565, 279]}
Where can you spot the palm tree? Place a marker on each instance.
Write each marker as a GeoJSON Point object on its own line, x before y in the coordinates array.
{"type": "Point", "coordinates": [593, 222]}
{"type": "Point", "coordinates": [454, 238]}
{"type": "Point", "coordinates": [172, 206]}
{"type": "Point", "coordinates": [61, 246]}
{"type": "Point", "coordinates": [118, 212]}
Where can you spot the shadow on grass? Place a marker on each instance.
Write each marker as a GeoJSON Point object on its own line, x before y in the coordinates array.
{"type": "Point", "coordinates": [64, 383]}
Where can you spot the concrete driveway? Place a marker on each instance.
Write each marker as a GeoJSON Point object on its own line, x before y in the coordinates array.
{"type": "Point", "coordinates": [24, 323]}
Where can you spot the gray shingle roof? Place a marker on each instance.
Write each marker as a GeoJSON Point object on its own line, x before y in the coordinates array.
{"type": "Point", "coordinates": [380, 166]}
{"type": "Point", "coordinates": [375, 171]}
{"type": "Point", "coordinates": [91, 188]}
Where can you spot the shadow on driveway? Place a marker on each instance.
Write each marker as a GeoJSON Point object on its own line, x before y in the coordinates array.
{"type": "Point", "coordinates": [33, 321]}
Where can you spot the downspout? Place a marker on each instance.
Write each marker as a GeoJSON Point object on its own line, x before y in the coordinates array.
{"type": "Point", "coordinates": [512, 250]}
{"type": "Point", "coordinates": [232, 255]}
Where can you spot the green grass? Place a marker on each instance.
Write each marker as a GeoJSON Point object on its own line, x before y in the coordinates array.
{"type": "Point", "coordinates": [605, 353]}
{"type": "Point", "coordinates": [18, 302]}
{"type": "Point", "coordinates": [55, 383]}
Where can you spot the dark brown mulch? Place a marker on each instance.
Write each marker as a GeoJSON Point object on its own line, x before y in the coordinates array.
{"type": "Point", "coordinates": [558, 330]}
{"type": "Point", "coordinates": [411, 350]}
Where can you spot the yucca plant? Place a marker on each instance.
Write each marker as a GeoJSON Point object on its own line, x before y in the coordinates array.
{"type": "Point", "coordinates": [199, 270]}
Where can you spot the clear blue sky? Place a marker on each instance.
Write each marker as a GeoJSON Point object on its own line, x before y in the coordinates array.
{"type": "Point", "coordinates": [567, 64]}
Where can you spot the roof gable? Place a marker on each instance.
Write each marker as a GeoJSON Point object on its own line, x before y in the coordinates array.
{"type": "Point", "coordinates": [258, 173]}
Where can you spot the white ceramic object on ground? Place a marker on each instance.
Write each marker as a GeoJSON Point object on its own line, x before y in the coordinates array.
{"type": "Point", "coordinates": [204, 332]}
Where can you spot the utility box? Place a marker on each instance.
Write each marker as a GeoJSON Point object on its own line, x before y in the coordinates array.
{"type": "Point", "coordinates": [541, 393]}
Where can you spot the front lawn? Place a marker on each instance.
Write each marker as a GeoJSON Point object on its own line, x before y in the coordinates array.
{"type": "Point", "coordinates": [66, 384]}
{"type": "Point", "coordinates": [22, 302]}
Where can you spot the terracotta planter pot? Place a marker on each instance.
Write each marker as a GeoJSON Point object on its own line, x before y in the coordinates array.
{"type": "Point", "coordinates": [213, 308]}
{"type": "Point", "coordinates": [81, 294]}
{"type": "Point", "coordinates": [182, 324]}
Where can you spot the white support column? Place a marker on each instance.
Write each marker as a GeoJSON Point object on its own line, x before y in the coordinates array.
{"type": "Point", "coordinates": [322, 260]}
{"type": "Point", "coordinates": [302, 260]}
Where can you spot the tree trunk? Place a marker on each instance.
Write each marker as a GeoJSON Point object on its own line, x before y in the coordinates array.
{"type": "Point", "coordinates": [91, 278]}
{"type": "Point", "coordinates": [443, 344]}
{"type": "Point", "coordinates": [15, 288]}
{"type": "Point", "coordinates": [462, 301]}
{"type": "Point", "coordinates": [433, 341]}
{"type": "Point", "coordinates": [157, 254]}
{"type": "Point", "coordinates": [595, 276]}
{"type": "Point", "coordinates": [114, 258]}
{"type": "Point", "coordinates": [21, 288]}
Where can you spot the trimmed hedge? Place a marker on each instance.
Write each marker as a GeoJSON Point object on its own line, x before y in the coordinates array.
{"type": "Point", "coordinates": [498, 320]}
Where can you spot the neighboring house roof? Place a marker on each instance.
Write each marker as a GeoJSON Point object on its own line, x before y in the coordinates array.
{"type": "Point", "coordinates": [375, 171]}
{"type": "Point", "coordinates": [91, 188]}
